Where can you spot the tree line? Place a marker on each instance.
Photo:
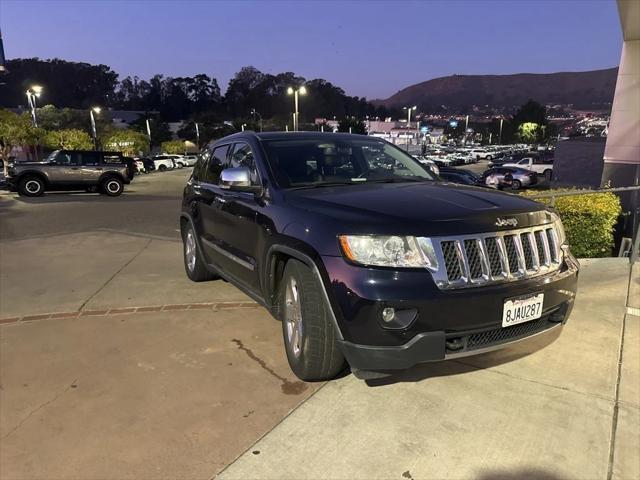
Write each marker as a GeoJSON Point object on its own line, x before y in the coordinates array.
{"type": "Point", "coordinates": [250, 96]}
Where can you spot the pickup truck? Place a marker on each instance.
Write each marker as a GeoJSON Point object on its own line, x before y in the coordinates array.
{"type": "Point", "coordinates": [538, 165]}
{"type": "Point", "coordinates": [366, 257]}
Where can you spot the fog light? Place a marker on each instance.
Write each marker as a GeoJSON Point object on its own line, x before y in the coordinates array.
{"type": "Point", "coordinates": [388, 314]}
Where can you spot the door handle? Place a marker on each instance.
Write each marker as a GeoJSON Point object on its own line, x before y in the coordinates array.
{"type": "Point", "coordinates": [75, 168]}
{"type": "Point", "coordinates": [220, 200]}
{"type": "Point", "coordinates": [99, 168]}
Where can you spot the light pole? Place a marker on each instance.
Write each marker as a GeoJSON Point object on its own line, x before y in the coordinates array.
{"type": "Point", "coordinates": [466, 127]}
{"type": "Point", "coordinates": [295, 92]}
{"type": "Point", "coordinates": [500, 134]}
{"type": "Point", "coordinates": [197, 136]}
{"type": "Point", "coordinates": [95, 110]}
{"type": "Point", "coordinates": [254, 112]}
{"type": "Point", "coordinates": [409, 110]}
{"type": "Point", "coordinates": [33, 93]}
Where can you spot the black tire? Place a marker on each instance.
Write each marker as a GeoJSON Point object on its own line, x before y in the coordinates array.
{"type": "Point", "coordinates": [488, 157]}
{"type": "Point", "coordinates": [548, 173]}
{"type": "Point", "coordinates": [194, 265]}
{"type": "Point", "coordinates": [162, 168]}
{"type": "Point", "coordinates": [31, 186]}
{"type": "Point", "coordinates": [180, 165]}
{"type": "Point", "coordinates": [112, 186]}
{"type": "Point", "coordinates": [516, 185]}
{"type": "Point", "coordinates": [309, 334]}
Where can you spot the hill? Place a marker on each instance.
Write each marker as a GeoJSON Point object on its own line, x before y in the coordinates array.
{"type": "Point", "coordinates": [583, 89]}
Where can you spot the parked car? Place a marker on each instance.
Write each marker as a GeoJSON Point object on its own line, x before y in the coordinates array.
{"type": "Point", "coordinates": [163, 163]}
{"type": "Point", "coordinates": [430, 164]}
{"type": "Point", "coordinates": [71, 170]}
{"type": "Point", "coordinates": [481, 154]}
{"type": "Point", "coordinates": [538, 165]}
{"type": "Point", "coordinates": [379, 267]}
{"type": "Point", "coordinates": [460, 176]}
{"type": "Point", "coordinates": [509, 177]}
{"type": "Point", "coordinates": [189, 160]}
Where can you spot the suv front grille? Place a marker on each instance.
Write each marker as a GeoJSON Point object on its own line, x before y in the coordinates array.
{"type": "Point", "coordinates": [472, 260]}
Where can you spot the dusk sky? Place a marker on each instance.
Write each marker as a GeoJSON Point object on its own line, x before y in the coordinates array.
{"type": "Point", "coordinates": [370, 49]}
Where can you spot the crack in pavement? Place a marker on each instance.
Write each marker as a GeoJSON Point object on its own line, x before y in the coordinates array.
{"type": "Point", "coordinates": [144, 247]}
{"type": "Point", "coordinates": [40, 407]}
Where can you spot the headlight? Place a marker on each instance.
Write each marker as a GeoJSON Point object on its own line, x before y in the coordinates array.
{"type": "Point", "coordinates": [389, 251]}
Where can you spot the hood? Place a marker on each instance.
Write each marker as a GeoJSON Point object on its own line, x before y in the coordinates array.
{"type": "Point", "coordinates": [420, 209]}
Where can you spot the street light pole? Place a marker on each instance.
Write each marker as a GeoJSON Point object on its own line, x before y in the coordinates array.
{"type": "Point", "coordinates": [93, 125]}
{"type": "Point", "coordinates": [296, 114]}
{"type": "Point", "coordinates": [500, 134]}
{"type": "Point", "coordinates": [32, 94]}
{"type": "Point", "coordinates": [197, 136]}
{"type": "Point", "coordinates": [409, 109]}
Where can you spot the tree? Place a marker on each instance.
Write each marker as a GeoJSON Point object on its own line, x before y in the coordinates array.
{"type": "Point", "coordinates": [174, 147]}
{"type": "Point", "coordinates": [129, 142]}
{"type": "Point", "coordinates": [66, 84]}
{"type": "Point", "coordinates": [15, 131]}
{"type": "Point", "coordinates": [530, 122]}
{"type": "Point", "coordinates": [352, 125]}
{"type": "Point", "coordinates": [70, 139]}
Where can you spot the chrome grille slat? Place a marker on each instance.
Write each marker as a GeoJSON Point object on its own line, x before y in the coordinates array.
{"type": "Point", "coordinates": [494, 257]}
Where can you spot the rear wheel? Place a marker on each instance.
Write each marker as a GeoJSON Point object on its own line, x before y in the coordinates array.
{"type": "Point", "coordinates": [309, 335]}
{"type": "Point", "coordinates": [112, 186]}
{"type": "Point", "coordinates": [193, 264]}
{"type": "Point", "coordinates": [162, 168]}
{"type": "Point", "coordinates": [547, 173]}
{"type": "Point", "coordinates": [31, 186]}
{"type": "Point", "coordinates": [180, 165]}
{"type": "Point", "coordinates": [516, 185]}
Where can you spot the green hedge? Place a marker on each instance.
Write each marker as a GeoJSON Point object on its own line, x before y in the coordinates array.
{"type": "Point", "coordinates": [588, 221]}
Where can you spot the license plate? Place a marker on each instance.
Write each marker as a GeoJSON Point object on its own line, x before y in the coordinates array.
{"type": "Point", "coordinates": [522, 309]}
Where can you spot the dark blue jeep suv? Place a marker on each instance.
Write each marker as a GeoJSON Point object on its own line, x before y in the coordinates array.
{"type": "Point", "coordinates": [366, 257]}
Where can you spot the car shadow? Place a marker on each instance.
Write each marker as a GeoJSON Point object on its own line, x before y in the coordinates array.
{"type": "Point", "coordinates": [453, 367]}
{"type": "Point", "coordinates": [69, 197]}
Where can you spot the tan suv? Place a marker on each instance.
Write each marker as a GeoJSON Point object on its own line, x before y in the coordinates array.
{"type": "Point", "coordinates": [71, 170]}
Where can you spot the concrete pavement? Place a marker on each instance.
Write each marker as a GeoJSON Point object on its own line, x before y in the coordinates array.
{"type": "Point", "coordinates": [545, 409]}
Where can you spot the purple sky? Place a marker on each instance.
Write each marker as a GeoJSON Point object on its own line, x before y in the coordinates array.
{"type": "Point", "coordinates": [370, 49]}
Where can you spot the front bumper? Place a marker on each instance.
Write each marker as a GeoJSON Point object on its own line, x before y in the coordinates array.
{"type": "Point", "coordinates": [448, 324]}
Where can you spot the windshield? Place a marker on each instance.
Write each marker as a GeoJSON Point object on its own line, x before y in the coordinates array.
{"type": "Point", "coordinates": [317, 162]}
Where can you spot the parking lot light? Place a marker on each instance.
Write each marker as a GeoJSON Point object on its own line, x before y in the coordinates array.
{"type": "Point", "coordinates": [95, 110]}
{"type": "Point", "coordinates": [295, 92]}
{"type": "Point", "coordinates": [32, 93]}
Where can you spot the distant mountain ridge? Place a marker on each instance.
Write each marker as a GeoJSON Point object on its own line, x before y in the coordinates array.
{"type": "Point", "coordinates": [583, 89]}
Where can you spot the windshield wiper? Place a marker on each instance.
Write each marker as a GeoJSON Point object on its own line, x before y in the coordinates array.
{"type": "Point", "coordinates": [399, 180]}
{"type": "Point", "coordinates": [323, 184]}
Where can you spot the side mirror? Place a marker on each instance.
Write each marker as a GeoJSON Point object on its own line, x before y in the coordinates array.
{"type": "Point", "coordinates": [238, 180]}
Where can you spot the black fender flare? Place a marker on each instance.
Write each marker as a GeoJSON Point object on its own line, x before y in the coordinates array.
{"type": "Point", "coordinates": [309, 262]}
{"type": "Point", "coordinates": [106, 175]}
{"type": "Point", "coordinates": [32, 173]}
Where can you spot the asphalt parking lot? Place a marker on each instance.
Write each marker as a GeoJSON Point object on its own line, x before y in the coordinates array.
{"type": "Point", "coordinates": [114, 365]}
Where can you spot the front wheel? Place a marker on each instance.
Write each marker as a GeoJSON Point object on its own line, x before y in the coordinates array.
{"type": "Point", "coordinates": [516, 185]}
{"type": "Point", "coordinates": [180, 165]}
{"type": "Point", "coordinates": [31, 186]}
{"type": "Point", "coordinates": [162, 168]}
{"type": "Point", "coordinates": [309, 334]}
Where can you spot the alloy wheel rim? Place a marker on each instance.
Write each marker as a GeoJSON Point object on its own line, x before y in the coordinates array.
{"type": "Point", "coordinates": [293, 317]}
{"type": "Point", "coordinates": [32, 186]}
{"type": "Point", "coordinates": [190, 251]}
{"type": "Point", "coordinates": [113, 187]}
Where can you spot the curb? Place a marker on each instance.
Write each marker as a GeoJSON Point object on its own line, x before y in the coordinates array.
{"type": "Point", "coordinates": [178, 307]}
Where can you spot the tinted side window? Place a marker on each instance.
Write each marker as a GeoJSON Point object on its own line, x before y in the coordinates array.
{"type": "Point", "coordinates": [242, 156]}
{"type": "Point", "coordinates": [217, 163]}
{"type": "Point", "coordinates": [90, 158]}
{"type": "Point", "coordinates": [68, 158]}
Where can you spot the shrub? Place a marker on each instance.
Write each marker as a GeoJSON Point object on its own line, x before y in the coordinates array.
{"type": "Point", "coordinates": [173, 147]}
{"type": "Point", "coordinates": [588, 221]}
